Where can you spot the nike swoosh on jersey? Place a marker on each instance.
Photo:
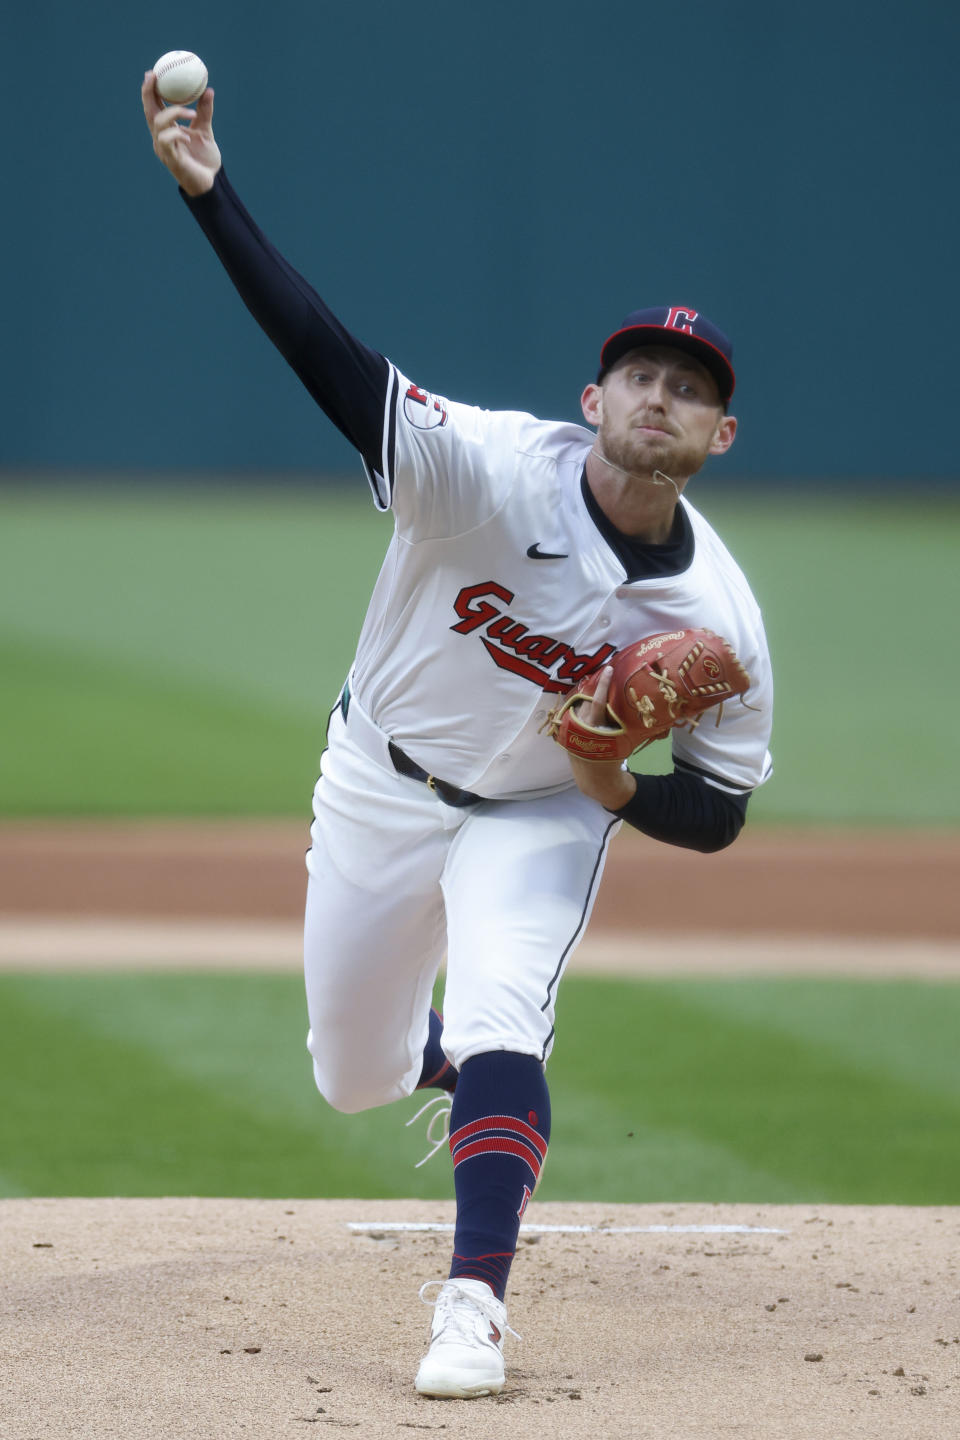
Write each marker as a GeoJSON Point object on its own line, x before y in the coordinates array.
{"type": "Point", "coordinates": [535, 553]}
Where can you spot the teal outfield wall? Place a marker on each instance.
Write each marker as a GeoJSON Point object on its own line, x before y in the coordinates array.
{"type": "Point", "coordinates": [482, 192]}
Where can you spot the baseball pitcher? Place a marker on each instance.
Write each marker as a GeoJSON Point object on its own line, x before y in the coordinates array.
{"type": "Point", "coordinates": [527, 559]}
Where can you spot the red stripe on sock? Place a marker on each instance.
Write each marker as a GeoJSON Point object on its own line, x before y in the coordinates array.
{"type": "Point", "coordinates": [500, 1145]}
{"type": "Point", "coordinates": [501, 1122]}
{"type": "Point", "coordinates": [494, 1255]}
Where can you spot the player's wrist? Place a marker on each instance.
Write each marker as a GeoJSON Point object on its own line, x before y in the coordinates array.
{"type": "Point", "coordinates": [609, 784]}
{"type": "Point", "coordinates": [197, 183]}
{"type": "Point", "coordinates": [621, 791]}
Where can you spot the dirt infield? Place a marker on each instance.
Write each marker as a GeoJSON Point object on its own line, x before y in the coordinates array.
{"type": "Point", "coordinates": [228, 893]}
{"type": "Point", "coordinates": [810, 882]}
{"type": "Point", "coordinates": [240, 1318]}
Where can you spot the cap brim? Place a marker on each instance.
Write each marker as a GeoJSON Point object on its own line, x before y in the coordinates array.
{"type": "Point", "coordinates": [621, 342]}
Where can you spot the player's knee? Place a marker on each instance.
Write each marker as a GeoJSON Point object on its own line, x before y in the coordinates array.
{"type": "Point", "coordinates": [350, 1089]}
{"type": "Point", "coordinates": [344, 1094]}
{"type": "Point", "coordinates": [348, 1102]}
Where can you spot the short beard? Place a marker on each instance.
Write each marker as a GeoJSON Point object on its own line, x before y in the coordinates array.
{"type": "Point", "coordinates": [645, 457]}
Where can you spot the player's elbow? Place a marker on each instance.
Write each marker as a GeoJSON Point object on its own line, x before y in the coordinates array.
{"type": "Point", "coordinates": [713, 844]}
{"type": "Point", "coordinates": [727, 822]}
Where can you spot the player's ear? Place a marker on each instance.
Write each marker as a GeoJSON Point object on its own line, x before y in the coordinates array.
{"type": "Point", "coordinates": [591, 403]}
{"type": "Point", "coordinates": [723, 435]}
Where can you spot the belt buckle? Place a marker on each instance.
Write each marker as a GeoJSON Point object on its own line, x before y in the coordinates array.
{"type": "Point", "coordinates": [432, 783]}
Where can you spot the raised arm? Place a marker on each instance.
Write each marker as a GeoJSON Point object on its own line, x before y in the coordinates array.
{"type": "Point", "coordinates": [346, 378]}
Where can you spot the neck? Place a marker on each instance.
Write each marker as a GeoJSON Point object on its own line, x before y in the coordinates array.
{"type": "Point", "coordinates": [639, 505]}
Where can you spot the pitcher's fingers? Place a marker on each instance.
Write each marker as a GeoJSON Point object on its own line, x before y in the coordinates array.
{"type": "Point", "coordinates": [169, 143]}
{"type": "Point", "coordinates": [598, 704]}
{"type": "Point", "coordinates": [171, 115]}
{"type": "Point", "coordinates": [204, 110]}
{"type": "Point", "coordinates": [152, 104]}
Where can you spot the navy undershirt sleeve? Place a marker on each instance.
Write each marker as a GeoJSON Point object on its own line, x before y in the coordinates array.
{"type": "Point", "coordinates": [346, 378]}
{"type": "Point", "coordinates": [681, 809]}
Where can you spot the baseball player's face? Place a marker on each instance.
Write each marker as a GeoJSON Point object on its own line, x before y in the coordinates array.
{"type": "Point", "coordinates": [659, 409]}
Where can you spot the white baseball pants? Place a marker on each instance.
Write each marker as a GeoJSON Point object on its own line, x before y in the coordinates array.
{"type": "Point", "coordinates": [397, 878]}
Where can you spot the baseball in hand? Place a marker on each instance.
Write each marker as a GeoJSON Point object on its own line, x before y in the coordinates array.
{"type": "Point", "coordinates": [181, 77]}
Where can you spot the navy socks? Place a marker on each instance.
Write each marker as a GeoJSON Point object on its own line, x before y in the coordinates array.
{"type": "Point", "coordinates": [499, 1131]}
{"type": "Point", "coordinates": [437, 1072]}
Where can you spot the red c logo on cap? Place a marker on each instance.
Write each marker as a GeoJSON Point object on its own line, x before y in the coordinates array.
{"type": "Point", "coordinates": [680, 319]}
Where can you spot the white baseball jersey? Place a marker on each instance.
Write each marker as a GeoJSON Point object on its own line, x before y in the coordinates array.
{"type": "Point", "coordinates": [498, 592]}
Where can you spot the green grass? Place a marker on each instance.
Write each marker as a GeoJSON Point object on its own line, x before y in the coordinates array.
{"type": "Point", "coordinates": [761, 1091]}
{"type": "Point", "coordinates": [97, 737]}
{"type": "Point", "coordinates": [167, 652]}
{"type": "Point", "coordinates": [859, 596]}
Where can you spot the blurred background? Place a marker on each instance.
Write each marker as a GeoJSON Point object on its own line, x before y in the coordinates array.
{"type": "Point", "coordinates": [187, 546]}
{"type": "Point", "coordinates": [483, 195]}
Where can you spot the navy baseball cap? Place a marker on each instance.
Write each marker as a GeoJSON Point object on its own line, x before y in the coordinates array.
{"type": "Point", "coordinates": [680, 326]}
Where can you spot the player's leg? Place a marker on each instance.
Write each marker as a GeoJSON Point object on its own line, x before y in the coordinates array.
{"type": "Point", "coordinates": [519, 884]}
{"type": "Point", "coordinates": [370, 964]}
{"type": "Point", "coordinates": [437, 1073]}
{"type": "Point", "coordinates": [374, 930]}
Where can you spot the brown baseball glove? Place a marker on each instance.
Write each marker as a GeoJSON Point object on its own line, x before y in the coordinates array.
{"type": "Point", "coordinates": [657, 684]}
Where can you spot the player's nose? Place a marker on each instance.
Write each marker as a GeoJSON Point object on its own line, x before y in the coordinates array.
{"type": "Point", "coordinates": [659, 393]}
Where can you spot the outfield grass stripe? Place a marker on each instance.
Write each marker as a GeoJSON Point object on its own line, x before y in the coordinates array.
{"type": "Point", "coordinates": [215, 588]}
{"type": "Point", "coordinates": [175, 1084]}
{"type": "Point", "coordinates": [95, 1115]}
{"type": "Point", "coordinates": [266, 600]}
{"type": "Point", "coordinates": [899, 1028]}
{"type": "Point", "coordinates": [97, 737]}
{"type": "Point", "coordinates": [11, 1189]}
{"type": "Point", "coordinates": [228, 1050]}
{"type": "Point", "coordinates": [826, 1125]}
{"type": "Point", "coordinates": [612, 1147]}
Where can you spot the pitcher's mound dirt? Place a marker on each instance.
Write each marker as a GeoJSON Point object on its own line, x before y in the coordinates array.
{"type": "Point", "coordinates": [261, 1319]}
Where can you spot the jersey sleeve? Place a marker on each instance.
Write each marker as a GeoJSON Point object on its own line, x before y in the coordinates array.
{"type": "Point", "coordinates": [444, 467]}
{"type": "Point", "coordinates": [346, 378]}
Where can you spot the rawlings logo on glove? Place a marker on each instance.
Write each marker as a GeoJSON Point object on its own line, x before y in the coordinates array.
{"type": "Point", "coordinates": [657, 684]}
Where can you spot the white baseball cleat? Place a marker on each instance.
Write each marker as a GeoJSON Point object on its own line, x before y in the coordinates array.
{"type": "Point", "coordinates": [465, 1358]}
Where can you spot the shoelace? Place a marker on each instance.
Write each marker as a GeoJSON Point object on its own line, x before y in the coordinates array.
{"type": "Point", "coordinates": [457, 1306]}
{"type": "Point", "coordinates": [437, 1137]}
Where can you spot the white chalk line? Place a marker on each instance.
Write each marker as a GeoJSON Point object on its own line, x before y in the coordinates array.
{"type": "Point", "coordinates": [429, 1227]}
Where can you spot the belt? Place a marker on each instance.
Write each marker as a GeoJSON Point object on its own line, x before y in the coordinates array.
{"type": "Point", "coordinates": [449, 794]}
